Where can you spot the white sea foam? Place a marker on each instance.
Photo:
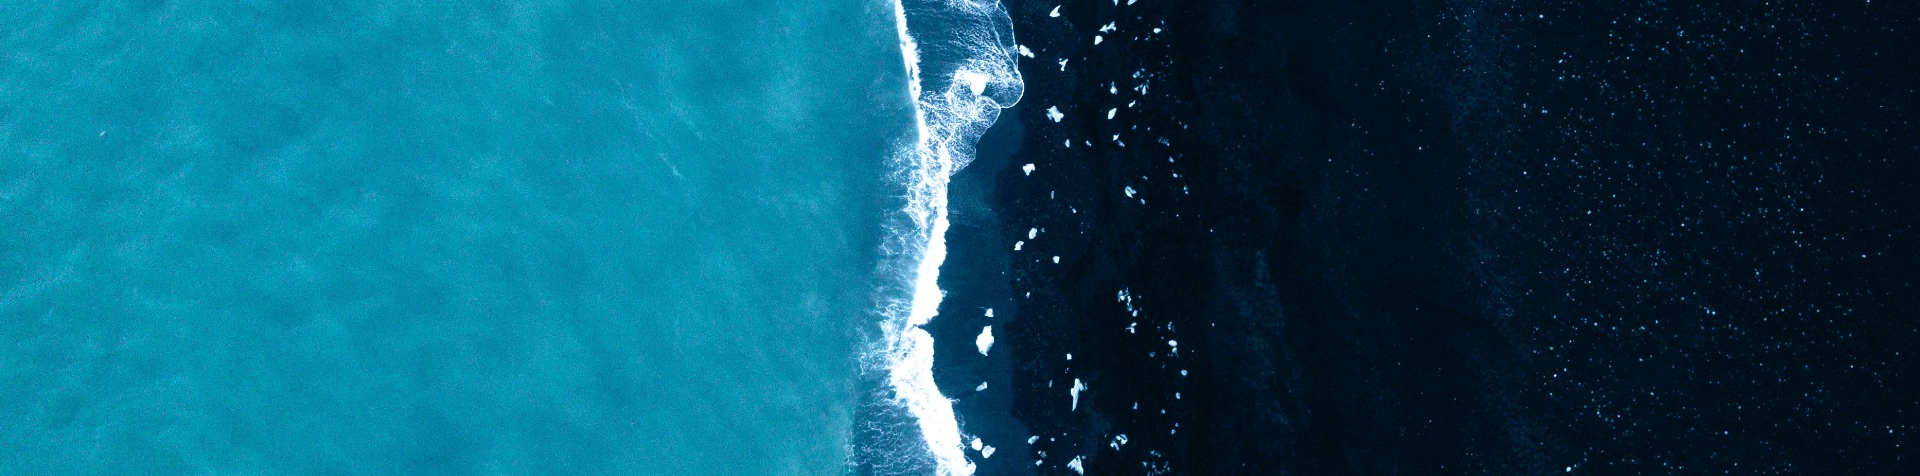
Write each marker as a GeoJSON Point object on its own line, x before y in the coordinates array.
{"type": "Point", "coordinates": [957, 94]}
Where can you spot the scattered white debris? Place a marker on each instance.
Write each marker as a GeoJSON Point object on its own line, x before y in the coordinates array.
{"type": "Point", "coordinates": [1078, 387]}
{"type": "Point", "coordinates": [1055, 114]}
{"type": "Point", "coordinates": [1130, 191]}
{"type": "Point", "coordinates": [1108, 28]}
{"type": "Point", "coordinates": [985, 340]}
{"type": "Point", "coordinates": [1075, 464]}
{"type": "Point", "coordinates": [1118, 441]}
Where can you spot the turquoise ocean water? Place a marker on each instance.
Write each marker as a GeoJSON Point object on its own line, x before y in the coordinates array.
{"type": "Point", "coordinates": [410, 237]}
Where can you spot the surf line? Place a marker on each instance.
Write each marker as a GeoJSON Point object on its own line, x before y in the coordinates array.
{"type": "Point", "coordinates": [947, 124]}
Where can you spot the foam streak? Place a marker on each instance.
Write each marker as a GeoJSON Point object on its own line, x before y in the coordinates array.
{"type": "Point", "coordinates": [947, 123]}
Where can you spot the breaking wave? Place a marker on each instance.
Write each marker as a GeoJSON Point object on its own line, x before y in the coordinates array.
{"type": "Point", "coordinates": [962, 70]}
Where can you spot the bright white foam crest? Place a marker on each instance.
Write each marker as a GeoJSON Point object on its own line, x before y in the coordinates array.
{"type": "Point", "coordinates": [949, 117]}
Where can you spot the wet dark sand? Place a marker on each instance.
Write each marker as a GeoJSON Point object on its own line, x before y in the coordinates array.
{"type": "Point", "coordinates": [1450, 238]}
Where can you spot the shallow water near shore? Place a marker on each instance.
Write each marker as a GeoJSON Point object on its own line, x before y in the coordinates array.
{"type": "Point", "coordinates": [360, 237]}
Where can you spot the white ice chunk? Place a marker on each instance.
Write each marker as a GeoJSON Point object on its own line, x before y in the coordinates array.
{"type": "Point", "coordinates": [1032, 439]}
{"type": "Point", "coordinates": [1054, 114]}
{"type": "Point", "coordinates": [1112, 112]}
{"type": "Point", "coordinates": [985, 340]}
{"type": "Point", "coordinates": [1096, 39]}
{"type": "Point", "coordinates": [1056, 260]}
{"type": "Point", "coordinates": [975, 81]}
{"type": "Point", "coordinates": [986, 452]}
{"type": "Point", "coordinates": [975, 444]}
{"type": "Point", "coordinates": [1027, 168]}
{"type": "Point", "coordinates": [1055, 13]}
{"type": "Point", "coordinates": [1032, 232]}
{"type": "Point", "coordinates": [1130, 191]}
{"type": "Point", "coordinates": [1018, 244]}
{"type": "Point", "coordinates": [1025, 52]}
{"type": "Point", "coordinates": [981, 388]}
{"type": "Point", "coordinates": [1063, 65]}
{"type": "Point", "coordinates": [989, 312]}
{"type": "Point", "coordinates": [1107, 28]}
{"type": "Point", "coordinates": [1078, 387]}
{"type": "Point", "coordinates": [1075, 464]}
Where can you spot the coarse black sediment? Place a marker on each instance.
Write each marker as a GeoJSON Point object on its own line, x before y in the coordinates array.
{"type": "Point", "coordinates": [1463, 237]}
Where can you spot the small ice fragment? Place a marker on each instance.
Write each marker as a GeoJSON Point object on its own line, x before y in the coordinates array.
{"type": "Point", "coordinates": [1055, 13]}
{"type": "Point", "coordinates": [1032, 439]}
{"type": "Point", "coordinates": [1173, 343]}
{"type": "Point", "coordinates": [1075, 464]}
{"type": "Point", "coordinates": [985, 340]}
{"type": "Point", "coordinates": [1069, 356]}
{"type": "Point", "coordinates": [1183, 373]}
{"type": "Point", "coordinates": [976, 82]}
{"type": "Point", "coordinates": [1027, 168]}
{"type": "Point", "coordinates": [981, 388]}
{"type": "Point", "coordinates": [1107, 28]}
{"type": "Point", "coordinates": [1112, 112]}
{"type": "Point", "coordinates": [975, 444]}
{"type": "Point", "coordinates": [1078, 387]}
{"type": "Point", "coordinates": [986, 452]}
{"type": "Point", "coordinates": [989, 312]}
{"type": "Point", "coordinates": [1156, 30]}
{"type": "Point", "coordinates": [1056, 260]}
{"type": "Point", "coordinates": [1054, 114]}
{"type": "Point", "coordinates": [1032, 232]}
{"type": "Point", "coordinates": [1018, 244]}
{"type": "Point", "coordinates": [1063, 65]}
{"type": "Point", "coordinates": [1096, 39]}
{"type": "Point", "coordinates": [1130, 191]}
{"type": "Point", "coordinates": [1025, 52]}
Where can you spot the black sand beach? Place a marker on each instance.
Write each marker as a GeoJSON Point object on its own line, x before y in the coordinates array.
{"type": "Point", "coordinates": [1378, 237]}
